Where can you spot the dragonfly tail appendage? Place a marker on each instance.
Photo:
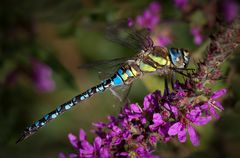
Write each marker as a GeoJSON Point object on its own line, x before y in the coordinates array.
{"type": "Point", "coordinates": [62, 108]}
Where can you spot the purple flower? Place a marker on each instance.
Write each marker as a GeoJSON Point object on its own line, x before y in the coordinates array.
{"type": "Point", "coordinates": [180, 3]}
{"type": "Point", "coordinates": [157, 121]}
{"type": "Point", "coordinates": [42, 76]}
{"type": "Point", "coordinates": [95, 150]}
{"type": "Point", "coordinates": [61, 155]}
{"type": "Point", "coordinates": [198, 116]}
{"type": "Point", "coordinates": [230, 10]}
{"type": "Point", "coordinates": [130, 22]}
{"type": "Point", "coordinates": [150, 17]}
{"type": "Point", "coordinates": [73, 140]}
{"type": "Point", "coordinates": [136, 130]}
{"type": "Point", "coordinates": [198, 38]}
{"type": "Point", "coordinates": [163, 40]}
{"type": "Point", "coordinates": [86, 150]}
{"type": "Point", "coordinates": [181, 129]}
{"type": "Point", "coordinates": [151, 101]}
{"type": "Point", "coordinates": [153, 139]}
{"type": "Point", "coordinates": [213, 105]}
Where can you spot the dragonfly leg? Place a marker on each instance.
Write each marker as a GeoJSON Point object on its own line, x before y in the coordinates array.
{"type": "Point", "coordinates": [182, 73]}
{"type": "Point", "coordinates": [166, 89]}
{"type": "Point", "coordinates": [173, 78]}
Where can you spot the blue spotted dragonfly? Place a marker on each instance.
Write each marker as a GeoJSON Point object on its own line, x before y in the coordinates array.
{"type": "Point", "coordinates": [150, 60]}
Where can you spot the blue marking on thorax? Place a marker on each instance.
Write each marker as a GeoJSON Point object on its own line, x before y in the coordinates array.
{"type": "Point", "coordinates": [117, 80]}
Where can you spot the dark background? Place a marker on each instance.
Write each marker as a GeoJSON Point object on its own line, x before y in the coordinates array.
{"type": "Point", "coordinates": [63, 34]}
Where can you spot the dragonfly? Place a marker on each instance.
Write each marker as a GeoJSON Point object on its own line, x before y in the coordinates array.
{"type": "Point", "coordinates": [149, 60]}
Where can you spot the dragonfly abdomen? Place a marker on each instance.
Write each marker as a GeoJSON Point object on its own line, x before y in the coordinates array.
{"type": "Point", "coordinates": [64, 107]}
{"type": "Point", "coordinates": [121, 77]}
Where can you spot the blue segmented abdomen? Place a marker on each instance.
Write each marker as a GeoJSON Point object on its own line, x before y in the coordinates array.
{"type": "Point", "coordinates": [64, 107]}
{"type": "Point", "coordinates": [118, 79]}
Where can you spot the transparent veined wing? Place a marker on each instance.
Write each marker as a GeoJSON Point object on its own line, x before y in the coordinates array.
{"type": "Point", "coordinates": [121, 92]}
{"type": "Point", "coordinates": [129, 36]}
{"type": "Point", "coordinates": [105, 68]}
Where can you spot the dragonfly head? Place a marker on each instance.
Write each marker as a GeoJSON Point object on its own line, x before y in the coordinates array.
{"type": "Point", "coordinates": [179, 57]}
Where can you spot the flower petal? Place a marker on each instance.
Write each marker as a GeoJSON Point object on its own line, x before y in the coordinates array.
{"type": "Point", "coordinates": [104, 153]}
{"type": "Point", "coordinates": [97, 143]}
{"type": "Point", "coordinates": [82, 135]}
{"type": "Point", "coordinates": [73, 156]}
{"type": "Point", "coordinates": [73, 140]}
{"type": "Point", "coordinates": [218, 93]}
{"type": "Point", "coordinates": [182, 135]}
{"type": "Point", "coordinates": [204, 106]}
{"type": "Point", "coordinates": [153, 139]}
{"type": "Point", "coordinates": [174, 129]}
{"type": "Point", "coordinates": [136, 108]}
{"type": "Point", "coordinates": [214, 113]}
{"type": "Point", "coordinates": [87, 147]}
{"type": "Point", "coordinates": [193, 136]}
{"type": "Point", "coordinates": [217, 104]}
{"type": "Point", "coordinates": [202, 120]}
{"type": "Point", "coordinates": [157, 119]}
{"type": "Point", "coordinates": [61, 155]}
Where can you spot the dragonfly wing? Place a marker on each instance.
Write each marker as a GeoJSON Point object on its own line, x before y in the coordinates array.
{"type": "Point", "coordinates": [105, 68]}
{"type": "Point", "coordinates": [129, 36]}
{"type": "Point", "coordinates": [121, 92]}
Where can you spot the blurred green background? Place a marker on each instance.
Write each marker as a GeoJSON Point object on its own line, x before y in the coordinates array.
{"type": "Point", "coordinates": [43, 43]}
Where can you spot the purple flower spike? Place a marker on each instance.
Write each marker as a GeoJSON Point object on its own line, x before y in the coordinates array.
{"type": "Point", "coordinates": [230, 10]}
{"type": "Point", "coordinates": [163, 41]}
{"type": "Point", "coordinates": [42, 76]}
{"type": "Point", "coordinates": [130, 22]}
{"type": "Point", "coordinates": [180, 3]}
{"type": "Point", "coordinates": [61, 155]}
{"type": "Point", "coordinates": [150, 17]}
{"type": "Point", "coordinates": [154, 7]}
{"type": "Point", "coordinates": [198, 38]}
